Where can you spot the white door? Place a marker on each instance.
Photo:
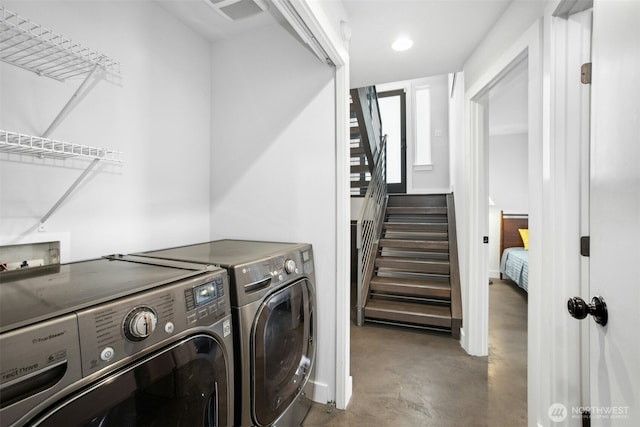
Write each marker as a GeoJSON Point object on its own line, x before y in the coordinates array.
{"type": "Point", "coordinates": [615, 213]}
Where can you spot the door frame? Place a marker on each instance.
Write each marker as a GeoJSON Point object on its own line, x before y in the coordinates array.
{"type": "Point", "coordinates": [475, 334]}
{"type": "Point", "coordinates": [319, 26]}
{"type": "Point", "coordinates": [529, 45]}
{"type": "Point", "coordinates": [401, 187]}
{"type": "Point", "coordinates": [553, 357]}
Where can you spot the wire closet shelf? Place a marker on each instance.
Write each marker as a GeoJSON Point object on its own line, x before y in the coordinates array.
{"type": "Point", "coordinates": [31, 46]}
{"type": "Point", "coordinates": [18, 143]}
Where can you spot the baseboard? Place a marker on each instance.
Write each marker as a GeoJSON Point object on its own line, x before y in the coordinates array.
{"type": "Point", "coordinates": [320, 393]}
{"type": "Point", "coordinates": [428, 191]}
{"type": "Point", "coordinates": [494, 274]}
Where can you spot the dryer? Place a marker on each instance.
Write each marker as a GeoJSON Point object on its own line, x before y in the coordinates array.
{"type": "Point", "coordinates": [274, 313]}
{"type": "Point", "coordinates": [117, 341]}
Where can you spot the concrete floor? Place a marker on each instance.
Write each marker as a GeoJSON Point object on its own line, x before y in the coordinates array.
{"type": "Point", "coordinates": [404, 377]}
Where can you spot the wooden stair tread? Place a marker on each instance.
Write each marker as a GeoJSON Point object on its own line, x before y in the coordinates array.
{"type": "Point", "coordinates": [359, 168]}
{"type": "Point", "coordinates": [409, 312]}
{"type": "Point", "coordinates": [435, 227]}
{"type": "Point", "coordinates": [413, 265]}
{"type": "Point", "coordinates": [442, 245]}
{"type": "Point", "coordinates": [411, 287]}
{"type": "Point", "coordinates": [411, 210]}
{"type": "Point", "coordinates": [359, 184]}
{"type": "Point", "coordinates": [418, 200]}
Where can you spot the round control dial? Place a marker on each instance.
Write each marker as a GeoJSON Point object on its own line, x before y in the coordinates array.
{"type": "Point", "coordinates": [289, 266]}
{"type": "Point", "coordinates": [140, 323]}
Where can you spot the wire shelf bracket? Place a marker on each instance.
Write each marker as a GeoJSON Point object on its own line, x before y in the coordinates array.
{"type": "Point", "coordinates": [17, 143]}
{"type": "Point", "coordinates": [35, 48]}
{"type": "Point", "coordinates": [31, 46]}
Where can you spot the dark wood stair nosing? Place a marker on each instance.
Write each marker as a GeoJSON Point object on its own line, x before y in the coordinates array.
{"type": "Point", "coordinates": [414, 265]}
{"type": "Point", "coordinates": [415, 288]}
{"type": "Point", "coordinates": [409, 312]}
{"type": "Point", "coordinates": [425, 244]}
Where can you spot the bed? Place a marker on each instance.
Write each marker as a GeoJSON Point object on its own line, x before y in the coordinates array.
{"type": "Point", "coordinates": [514, 254]}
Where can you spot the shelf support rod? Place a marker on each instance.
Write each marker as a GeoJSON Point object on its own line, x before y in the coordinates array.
{"type": "Point", "coordinates": [69, 103]}
{"type": "Point", "coordinates": [70, 190]}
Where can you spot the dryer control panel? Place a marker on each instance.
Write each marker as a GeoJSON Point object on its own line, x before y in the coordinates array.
{"type": "Point", "coordinates": [120, 330]}
{"type": "Point", "coordinates": [252, 281]}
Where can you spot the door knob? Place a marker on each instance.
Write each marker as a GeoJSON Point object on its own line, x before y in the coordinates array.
{"type": "Point", "coordinates": [579, 309]}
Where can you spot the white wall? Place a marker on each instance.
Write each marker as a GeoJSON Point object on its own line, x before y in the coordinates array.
{"type": "Point", "coordinates": [435, 177]}
{"type": "Point", "coordinates": [458, 158]}
{"type": "Point", "coordinates": [508, 186]}
{"type": "Point", "coordinates": [509, 33]}
{"type": "Point", "coordinates": [273, 160]}
{"type": "Point", "coordinates": [518, 17]}
{"type": "Point", "coordinates": [157, 113]}
{"type": "Point", "coordinates": [507, 154]}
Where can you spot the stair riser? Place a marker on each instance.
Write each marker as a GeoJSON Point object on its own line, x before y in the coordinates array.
{"type": "Point", "coordinates": [416, 211]}
{"type": "Point", "coordinates": [406, 317]}
{"type": "Point", "coordinates": [415, 244]}
{"type": "Point", "coordinates": [411, 291]}
{"type": "Point", "coordinates": [408, 234]}
{"type": "Point", "coordinates": [438, 200]}
{"type": "Point", "coordinates": [436, 228]}
{"type": "Point", "coordinates": [415, 255]}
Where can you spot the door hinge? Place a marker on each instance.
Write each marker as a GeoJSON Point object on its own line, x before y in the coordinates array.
{"type": "Point", "coordinates": [585, 73]}
{"type": "Point", "coordinates": [584, 245]}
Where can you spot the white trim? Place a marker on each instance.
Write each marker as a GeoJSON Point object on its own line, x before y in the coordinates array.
{"type": "Point", "coordinates": [422, 168]}
{"type": "Point", "coordinates": [431, 191]}
{"type": "Point", "coordinates": [510, 129]}
{"type": "Point", "coordinates": [344, 384]}
{"type": "Point", "coordinates": [529, 45]}
{"type": "Point", "coordinates": [320, 27]}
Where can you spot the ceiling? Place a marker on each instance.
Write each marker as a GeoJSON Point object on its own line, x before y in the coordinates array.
{"type": "Point", "coordinates": [445, 33]}
{"type": "Point", "coordinates": [203, 19]}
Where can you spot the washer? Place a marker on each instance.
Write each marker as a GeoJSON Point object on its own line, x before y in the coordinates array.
{"type": "Point", "coordinates": [117, 341]}
{"type": "Point", "coordinates": [273, 308]}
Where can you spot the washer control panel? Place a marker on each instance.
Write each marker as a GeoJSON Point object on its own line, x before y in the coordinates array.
{"type": "Point", "coordinates": [256, 279]}
{"type": "Point", "coordinates": [140, 323]}
{"type": "Point", "coordinates": [120, 329]}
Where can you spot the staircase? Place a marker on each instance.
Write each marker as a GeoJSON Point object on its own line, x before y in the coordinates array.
{"type": "Point", "coordinates": [415, 279]}
{"type": "Point", "coordinates": [365, 137]}
{"type": "Point", "coordinates": [360, 173]}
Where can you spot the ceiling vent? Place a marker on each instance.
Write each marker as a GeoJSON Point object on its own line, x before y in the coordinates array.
{"type": "Point", "coordinates": [237, 9]}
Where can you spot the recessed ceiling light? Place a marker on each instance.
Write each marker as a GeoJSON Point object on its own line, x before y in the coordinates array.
{"type": "Point", "coordinates": [402, 43]}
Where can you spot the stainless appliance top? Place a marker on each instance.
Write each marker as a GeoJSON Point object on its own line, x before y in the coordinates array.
{"type": "Point", "coordinates": [83, 284]}
{"type": "Point", "coordinates": [255, 268]}
{"type": "Point", "coordinates": [226, 253]}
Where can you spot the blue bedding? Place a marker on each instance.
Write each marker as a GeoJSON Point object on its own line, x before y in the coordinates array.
{"type": "Point", "coordinates": [515, 265]}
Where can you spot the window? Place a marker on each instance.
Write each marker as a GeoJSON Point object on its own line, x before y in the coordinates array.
{"type": "Point", "coordinates": [392, 106]}
{"type": "Point", "coordinates": [423, 126]}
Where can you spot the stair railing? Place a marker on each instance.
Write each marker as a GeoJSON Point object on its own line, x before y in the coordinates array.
{"type": "Point", "coordinates": [365, 101]}
{"type": "Point", "coordinates": [368, 227]}
{"type": "Point", "coordinates": [454, 270]}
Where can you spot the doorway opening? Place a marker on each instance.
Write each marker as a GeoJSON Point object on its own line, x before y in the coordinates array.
{"type": "Point", "coordinates": [393, 111]}
{"type": "Point", "coordinates": [507, 184]}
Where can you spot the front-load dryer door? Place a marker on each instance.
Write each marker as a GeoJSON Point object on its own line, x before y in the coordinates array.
{"type": "Point", "coordinates": [283, 350]}
{"type": "Point", "coordinates": [185, 384]}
